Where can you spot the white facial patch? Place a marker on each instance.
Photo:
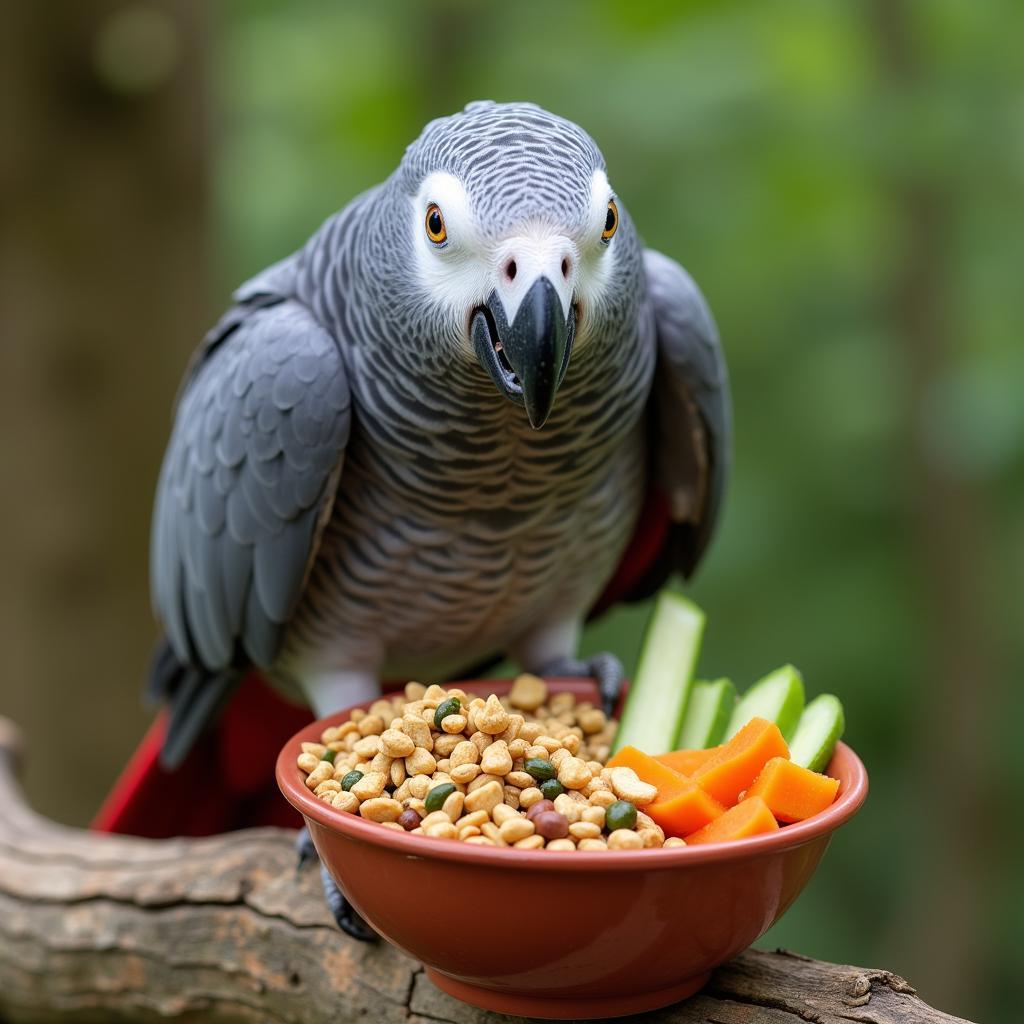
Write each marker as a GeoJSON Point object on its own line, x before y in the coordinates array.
{"type": "Point", "coordinates": [459, 275]}
{"type": "Point", "coordinates": [597, 257]}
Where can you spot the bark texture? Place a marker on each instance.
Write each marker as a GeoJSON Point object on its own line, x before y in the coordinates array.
{"type": "Point", "coordinates": [224, 929]}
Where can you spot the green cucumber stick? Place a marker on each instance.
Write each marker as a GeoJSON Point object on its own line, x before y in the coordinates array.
{"type": "Point", "coordinates": [821, 726]}
{"type": "Point", "coordinates": [707, 714]}
{"type": "Point", "coordinates": [778, 697]}
{"type": "Point", "coordinates": [658, 696]}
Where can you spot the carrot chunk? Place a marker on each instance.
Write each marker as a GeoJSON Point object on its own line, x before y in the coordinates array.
{"type": "Point", "coordinates": [667, 782]}
{"type": "Point", "coordinates": [737, 763]}
{"type": "Point", "coordinates": [792, 792]}
{"type": "Point", "coordinates": [750, 817]}
{"type": "Point", "coordinates": [686, 762]}
{"type": "Point", "coordinates": [681, 806]}
{"type": "Point", "coordinates": [685, 811]}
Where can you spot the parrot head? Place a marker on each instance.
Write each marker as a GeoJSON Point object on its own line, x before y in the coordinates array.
{"type": "Point", "coordinates": [517, 243]}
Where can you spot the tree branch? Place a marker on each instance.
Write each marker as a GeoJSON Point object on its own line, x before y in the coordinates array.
{"type": "Point", "coordinates": [224, 929]}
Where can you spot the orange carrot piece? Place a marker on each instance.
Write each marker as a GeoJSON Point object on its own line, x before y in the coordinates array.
{"type": "Point", "coordinates": [793, 792]}
{"type": "Point", "coordinates": [738, 762]}
{"type": "Point", "coordinates": [664, 779]}
{"type": "Point", "coordinates": [686, 762]}
{"type": "Point", "coordinates": [681, 806]}
{"type": "Point", "coordinates": [685, 811]}
{"type": "Point", "coordinates": [750, 817]}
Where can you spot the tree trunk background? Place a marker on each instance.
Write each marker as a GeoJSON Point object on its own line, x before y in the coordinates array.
{"type": "Point", "coordinates": [103, 186]}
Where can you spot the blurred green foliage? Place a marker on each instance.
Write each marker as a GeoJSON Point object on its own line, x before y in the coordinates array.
{"type": "Point", "coordinates": [844, 181]}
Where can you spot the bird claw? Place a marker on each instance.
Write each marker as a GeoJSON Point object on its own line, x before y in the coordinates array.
{"type": "Point", "coordinates": [341, 910]}
{"type": "Point", "coordinates": [605, 669]}
{"type": "Point", "coordinates": [305, 849]}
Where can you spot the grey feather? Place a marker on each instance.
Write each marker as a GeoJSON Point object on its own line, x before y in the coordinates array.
{"type": "Point", "coordinates": [197, 698]}
{"type": "Point", "coordinates": [168, 567]}
{"type": "Point", "coordinates": [691, 408]}
{"type": "Point", "coordinates": [268, 471]}
{"type": "Point", "coordinates": [165, 673]}
{"type": "Point", "coordinates": [280, 564]}
{"type": "Point", "coordinates": [210, 509]}
{"type": "Point", "coordinates": [232, 538]}
{"type": "Point", "coordinates": [210, 648]}
{"type": "Point", "coordinates": [261, 638]}
{"type": "Point", "coordinates": [236, 572]}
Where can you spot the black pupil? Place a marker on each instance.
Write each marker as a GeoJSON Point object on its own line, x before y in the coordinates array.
{"type": "Point", "coordinates": [434, 222]}
{"type": "Point", "coordinates": [609, 221]}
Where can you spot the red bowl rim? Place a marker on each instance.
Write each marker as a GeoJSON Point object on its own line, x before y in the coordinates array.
{"type": "Point", "coordinates": [852, 793]}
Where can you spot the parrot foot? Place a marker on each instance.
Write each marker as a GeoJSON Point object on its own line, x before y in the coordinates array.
{"type": "Point", "coordinates": [341, 910]}
{"type": "Point", "coordinates": [605, 669]}
{"type": "Point", "coordinates": [305, 849]}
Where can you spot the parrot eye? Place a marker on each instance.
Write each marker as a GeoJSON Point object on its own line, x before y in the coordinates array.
{"type": "Point", "coordinates": [611, 221]}
{"type": "Point", "coordinates": [436, 230]}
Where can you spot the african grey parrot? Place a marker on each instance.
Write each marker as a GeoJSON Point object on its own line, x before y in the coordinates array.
{"type": "Point", "coordinates": [426, 437]}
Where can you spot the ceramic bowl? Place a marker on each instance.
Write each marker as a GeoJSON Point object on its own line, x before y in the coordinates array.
{"type": "Point", "coordinates": [566, 935]}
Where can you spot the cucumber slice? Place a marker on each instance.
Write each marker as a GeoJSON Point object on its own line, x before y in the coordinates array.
{"type": "Point", "coordinates": [779, 697]}
{"type": "Point", "coordinates": [821, 726]}
{"type": "Point", "coordinates": [657, 699]}
{"type": "Point", "coordinates": [707, 714]}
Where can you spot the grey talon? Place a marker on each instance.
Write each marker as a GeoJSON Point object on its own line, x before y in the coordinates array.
{"type": "Point", "coordinates": [341, 910]}
{"type": "Point", "coordinates": [604, 668]}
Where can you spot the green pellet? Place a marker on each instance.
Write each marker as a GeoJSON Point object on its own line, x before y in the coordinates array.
{"type": "Point", "coordinates": [550, 788]}
{"type": "Point", "coordinates": [451, 706]}
{"type": "Point", "coordinates": [350, 780]}
{"type": "Point", "coordinates": [328, 756]}
{"type": "Point", "coordinates": [621, 814]}
{"type": "Point", "coordinates": [540, 769]}
{"type": "Point", "coordinates": [437, 796]}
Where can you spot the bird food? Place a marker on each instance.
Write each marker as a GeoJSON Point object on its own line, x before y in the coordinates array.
{"type": "Point", "coordinates": [526, 771]}
{"type": "Point", "coordinates": [535, 770]}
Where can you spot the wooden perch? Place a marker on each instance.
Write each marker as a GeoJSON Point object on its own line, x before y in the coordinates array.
{"type": "Point", "coordinates": [111, 928]}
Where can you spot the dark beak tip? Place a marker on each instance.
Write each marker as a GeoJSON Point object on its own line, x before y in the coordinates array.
{"type": "Point", "coordinates": [535, 347]}
{"type": "Point", "coordinates": [536, 421]}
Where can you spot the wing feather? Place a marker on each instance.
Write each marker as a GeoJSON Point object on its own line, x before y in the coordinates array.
{"type": "Point", "coordinates": [691, 410]}
{"type": "Point", "coordinates": [254, 458]}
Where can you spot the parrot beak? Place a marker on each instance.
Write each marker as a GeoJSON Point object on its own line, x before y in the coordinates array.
{"type": "Point", "coordinates": [526, 359]}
